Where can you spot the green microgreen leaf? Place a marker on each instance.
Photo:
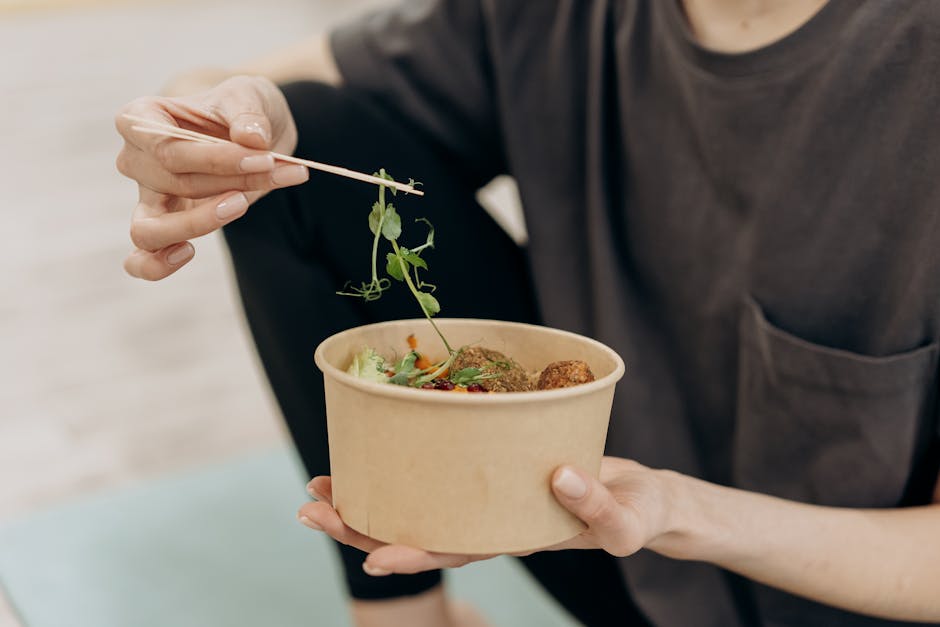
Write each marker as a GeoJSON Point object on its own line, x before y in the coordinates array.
{"type": "Point", "coordinates": [405, 369]}
{"type": "Point", "coordinates": [391, 225]}
{"type": "Point", "coordinates": [375, 218]}
{"type": "Point", "coordinates": [413, 258]}
{"type": "Point", "coordinates": [393, 267]}
{"type": "Point", "coordinates": [472, 375]}
{"type": "Point", "coordinates": [465, 376]}
{"type": "Point", "coordinates": [401, 263]}
{"type": "Point", "coordinates": [428, 303]}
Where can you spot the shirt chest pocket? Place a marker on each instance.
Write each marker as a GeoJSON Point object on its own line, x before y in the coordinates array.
{"type": "Point", "coordinates": [823, 425]}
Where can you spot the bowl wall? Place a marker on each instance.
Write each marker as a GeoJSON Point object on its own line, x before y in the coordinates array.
{"type": "Point", "coordinates": [463, 473]}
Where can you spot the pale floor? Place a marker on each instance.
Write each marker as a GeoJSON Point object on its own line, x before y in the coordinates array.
{"type": "Point", "coordinates": [105, 380]}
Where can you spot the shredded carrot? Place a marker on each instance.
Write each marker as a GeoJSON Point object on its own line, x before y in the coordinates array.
{"type": "Point", "coordinates": [423, 363]}
{"type": "Point", "coordinates": [412, 341]}
{"type": "Point", "coordinates": [459, 388]}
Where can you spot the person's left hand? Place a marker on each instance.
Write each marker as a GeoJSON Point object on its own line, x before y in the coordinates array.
{"type": "Point", "coordinates": [625, 511]}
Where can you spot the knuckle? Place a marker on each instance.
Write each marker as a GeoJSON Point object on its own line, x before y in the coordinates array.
{"type": "Point", "coordinates": [141, 236]}
{"type": "Point", "coordinates": [130, 107]}
{"type": "Point", "coordinates": [601, 511]}
{"type": "Point", "coordinates": [163, 153]}
{"type": "Point", "coordinates": [186, 185]}
{"type": "Point", "coordinates": [256, 181]}
{"type": "Point", "coordinates": [122, 163]}
{"type": "Point", "coordinates": [134, 107]}
{"type": "Point", "coordinates": [196, 223]}
{"type": "Point", "coordinates": [264, 85]}
{"type": "Point", "coordinates": [619, 549]}
{"type": "Point", "coordinates": [218, 163]}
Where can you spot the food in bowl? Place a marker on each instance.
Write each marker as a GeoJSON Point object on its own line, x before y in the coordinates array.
{"type": "Point", "coordinates": [473, 369]}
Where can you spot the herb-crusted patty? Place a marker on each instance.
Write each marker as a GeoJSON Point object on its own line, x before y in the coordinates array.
{"type": "Point", "coordinates": [564, 374]}
{"type": "Point", "coordinates": [510, 376]}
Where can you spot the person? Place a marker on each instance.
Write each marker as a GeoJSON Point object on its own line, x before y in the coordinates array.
{"type": "Point", "coordinates": [740, 197]}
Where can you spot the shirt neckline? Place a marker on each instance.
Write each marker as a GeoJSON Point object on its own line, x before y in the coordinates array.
{"type": "Point", "coordinates": [818, 32]}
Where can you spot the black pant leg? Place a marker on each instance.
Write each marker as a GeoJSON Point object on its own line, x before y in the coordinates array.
{"type": "Point", "coordinates": [588, 584]}
{"type": "Point", "coordinates": [296, 247]}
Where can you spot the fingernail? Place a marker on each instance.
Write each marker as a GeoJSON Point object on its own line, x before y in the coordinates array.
{"type": "Point", "coordinates": [181, 254]}
{"type": "Point", "coordinates": [290, 175]}
{"type": "Point", "coordinates": [313, 493]}
{"type": "Point", "coordinates": [256, 163]}
{"type": "Point", "coordinates": [256, 129]}
{"type": "Point", "coordinates": [570, 484]}
{"type": "Point", "coordinates": [375, 571]}
{"type": "Point", "coordinates": [232, 206]}
{"type": "Point", "coordinates": [308, 522]}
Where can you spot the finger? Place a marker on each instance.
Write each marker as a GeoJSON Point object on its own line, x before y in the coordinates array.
{"type": "Point", "coordinates": [250, 128]}
{"type": "Point", "coordinates": [612, 467]}
{"type": "Point", "coordinates": [321, 488]}
{"type": "Point", "coordinates": [153, 266]}
{"type": "Point", "coordinates": [147, 171]}
{"type": "Point", "coordinates": [239, 106]}
{"type": "Point", "coordinates": [163, 229]}
{"type": "Point", "coordinates": [246, 110]}
{"type": "Point", "coordinates": [322, 517]}
{"type": "Point", "coordinates": [588, 499]}
{"type": "Point", "coordinates": [406, 560]}
{"type": "Point", "coordinates": [180, 156]}
{"type": "Point", "coordinates": [149, 108]}
{"type": "Point", "coordinates": [581, 541]}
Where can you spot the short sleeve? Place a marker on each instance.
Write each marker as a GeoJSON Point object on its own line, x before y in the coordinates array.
{"type": "Point", "coordinates": [427, 61]}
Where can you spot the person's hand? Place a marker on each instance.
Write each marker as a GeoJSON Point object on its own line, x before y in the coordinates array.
{"type": "Point", "coordinates": [625, 510]}
{"type": "Point", "coordinates": [188, 189]}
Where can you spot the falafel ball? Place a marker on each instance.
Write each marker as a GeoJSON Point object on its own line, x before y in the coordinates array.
{"type": "Point", "coordinates": [564, 374]}
{"type": "Point", "coordinates": [511, 377]}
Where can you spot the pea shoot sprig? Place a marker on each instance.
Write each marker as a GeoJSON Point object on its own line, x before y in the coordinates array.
{"type": "Point", "coordinates": [402, 264]}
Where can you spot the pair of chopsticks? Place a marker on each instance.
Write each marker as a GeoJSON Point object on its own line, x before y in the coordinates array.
{"type": "Point", "coordinates": [153, 127]}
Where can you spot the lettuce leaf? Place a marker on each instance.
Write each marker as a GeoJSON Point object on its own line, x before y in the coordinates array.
{"type": "Point", "coordinates": [368, 365]}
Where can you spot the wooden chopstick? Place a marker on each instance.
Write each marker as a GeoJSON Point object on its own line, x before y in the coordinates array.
{"type": "Point", "coordinates": [153, 127]}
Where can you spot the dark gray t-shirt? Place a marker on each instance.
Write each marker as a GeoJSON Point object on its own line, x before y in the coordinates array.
{"type": "Point", "coordinates": [756, 234]}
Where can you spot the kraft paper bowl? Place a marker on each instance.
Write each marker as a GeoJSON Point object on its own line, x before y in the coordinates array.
{"type": "Point", "coordinates": [462, 473]}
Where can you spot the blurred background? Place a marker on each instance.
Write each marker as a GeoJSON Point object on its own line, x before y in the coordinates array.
{"type": "Point", "coordinates": [145, 478]}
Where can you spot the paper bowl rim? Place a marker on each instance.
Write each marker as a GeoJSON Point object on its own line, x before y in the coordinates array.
{"type": "Point", "coordinates": [413, 394]}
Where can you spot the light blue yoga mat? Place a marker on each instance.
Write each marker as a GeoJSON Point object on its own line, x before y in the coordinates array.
{"type": "Point", "coordinates": [215, 548]}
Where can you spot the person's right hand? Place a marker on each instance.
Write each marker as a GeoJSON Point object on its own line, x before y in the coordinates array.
{"type": "Point", "coordinates": [188, 189]}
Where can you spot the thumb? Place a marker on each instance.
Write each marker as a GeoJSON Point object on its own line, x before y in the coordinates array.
{"type": "Point", "coordinates": [251, 129]}
{"type": "Point", "coordinates": [255, 111]}
{"type": "Point", "coordinates": [590, 500]}
{"type": "Point", "coordinates": [241, 102]}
